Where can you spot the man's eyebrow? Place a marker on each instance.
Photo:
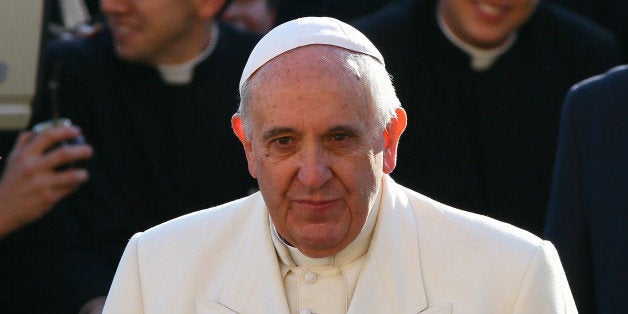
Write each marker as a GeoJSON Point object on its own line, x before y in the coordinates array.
{"type": "Point", "coordinates": [276, 131]}
{"type": "Point", "coordinates": [348, 129]}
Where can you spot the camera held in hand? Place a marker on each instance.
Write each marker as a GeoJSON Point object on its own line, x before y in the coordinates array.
{"type": "Point", "coordinates": [54, 123]}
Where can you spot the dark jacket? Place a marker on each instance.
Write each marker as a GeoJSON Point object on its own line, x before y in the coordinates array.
{"type": "Point", "coordinates": [160, 151]}
{"type": "Point", "coordinates": [588, 209]}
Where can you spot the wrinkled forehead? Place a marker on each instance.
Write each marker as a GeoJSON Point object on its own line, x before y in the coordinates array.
{"type": "Point", "coordinates": [311, 80]}
{"type": "Point", "coordinates": [304, 32]}
{"type": "Point", "coordinates": [318, 62]}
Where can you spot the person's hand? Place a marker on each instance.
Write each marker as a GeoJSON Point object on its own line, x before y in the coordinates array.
{"type": "Point", "coordinates": [30, 185]}
{"type": "Point", "coordinates": [94, 306]}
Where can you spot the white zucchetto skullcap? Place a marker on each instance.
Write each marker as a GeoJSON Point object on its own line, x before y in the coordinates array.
{"type": "Point", "coordinates": [307, 31]}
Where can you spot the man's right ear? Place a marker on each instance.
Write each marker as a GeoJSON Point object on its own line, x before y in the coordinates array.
{"type": "Point", "coordinates": [238, 128]}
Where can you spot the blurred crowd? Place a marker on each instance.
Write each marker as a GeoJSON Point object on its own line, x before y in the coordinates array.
{"type": "Point", "coordinates": [511, 114]}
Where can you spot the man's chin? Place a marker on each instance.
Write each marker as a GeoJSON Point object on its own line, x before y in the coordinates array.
{"type": "Point", "coordinates": [320, 247]}
{"type": "Point", "coordinates": [129, 55]}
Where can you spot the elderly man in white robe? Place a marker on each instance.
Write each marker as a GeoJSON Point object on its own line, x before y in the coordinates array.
{"type": "Point", "coordinates": [330, 231]}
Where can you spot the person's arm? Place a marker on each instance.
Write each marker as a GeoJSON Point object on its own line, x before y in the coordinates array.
{"type": "Point", "coordinates": [567, 225]}
{"type": "Point", "coordinates": [73, 246]}
{"type": "Point", "coordinates": [30, 185]}
{"type": "Point", "coordinates": [544, 288]}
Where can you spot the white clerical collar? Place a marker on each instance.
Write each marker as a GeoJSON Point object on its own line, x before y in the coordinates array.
{"type": "Point", "coordinates": [180, 74]}
{"type": "Point", "coordinates": [292, 257]}
{"type": "Point", "coordinates": [481, 59]}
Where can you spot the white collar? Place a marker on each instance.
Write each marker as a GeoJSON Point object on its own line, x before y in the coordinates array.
{"type": "Point", "coordinates": [181, 74]}
{"type": "Point", "coordinates": [481, 59]}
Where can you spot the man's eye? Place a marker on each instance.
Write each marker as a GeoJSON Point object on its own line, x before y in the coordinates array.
{"type": "Point", "coordinates": [339, 137]}
{"type": "Point", "coordinates": [283, 140]}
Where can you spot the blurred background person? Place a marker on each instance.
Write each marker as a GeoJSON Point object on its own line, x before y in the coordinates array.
{"type": "Point", "coordinates": [483, 84]}
{"type": "Point", "coordinates": [254, 15]}
{"type": "Point", "coordinates": [588, 208]}
{"type": "Point", "coordinates": [154, 100]}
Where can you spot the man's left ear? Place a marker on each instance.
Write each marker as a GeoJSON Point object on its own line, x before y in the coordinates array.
{"type": "Point", "coordinates": [391, 137]}
{"type": "Point", "coordinates": [208, 9]}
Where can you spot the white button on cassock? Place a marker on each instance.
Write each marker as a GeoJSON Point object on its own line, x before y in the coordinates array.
{"type": "Point", "coordinates": [310, 277]}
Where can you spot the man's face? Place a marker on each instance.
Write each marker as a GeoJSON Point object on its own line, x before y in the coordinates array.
{"type": "Point", "coordinates": [315, 148]}
{"type": "Point", "coordinates": [485, 23]}
{"type": "Point", "coordinates": [254, 15]}
{"type": "Point", "coordinates": [156, 31]}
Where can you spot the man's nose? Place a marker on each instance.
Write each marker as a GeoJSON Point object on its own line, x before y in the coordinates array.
{"type": "Point", "coordinates": [314, 168]}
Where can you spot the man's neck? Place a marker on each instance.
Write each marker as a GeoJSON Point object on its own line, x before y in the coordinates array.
{"type": "Point", "coordinates": [481, 59]}
{"type": "Point", "coordinates": [182, 73]}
